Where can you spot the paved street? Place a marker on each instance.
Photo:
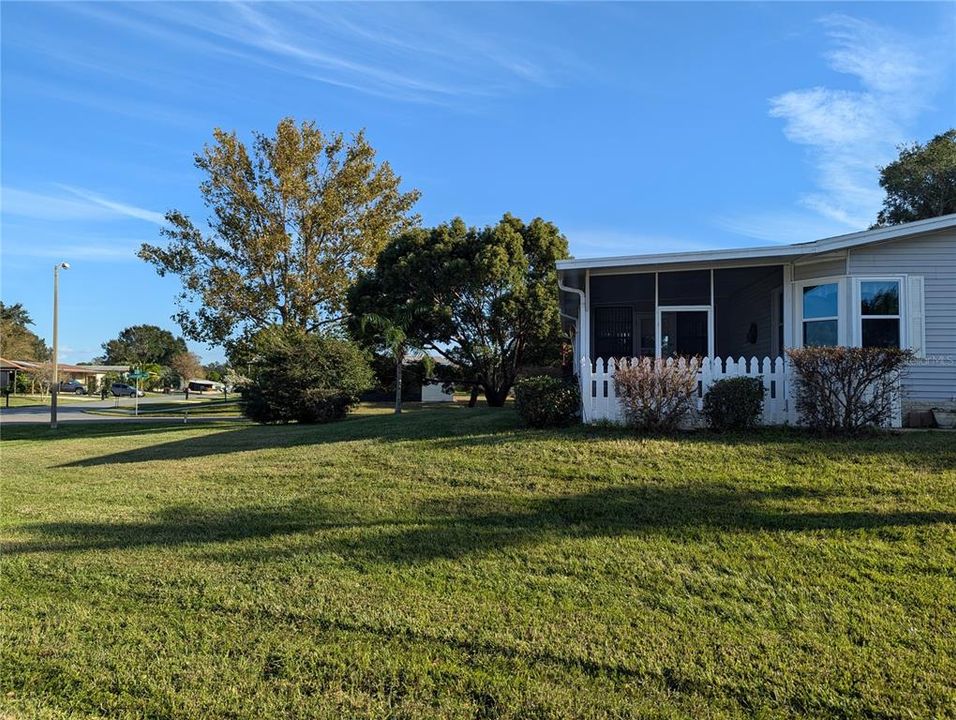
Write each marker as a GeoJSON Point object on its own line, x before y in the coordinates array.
{"type": "Point", "coordinates": [76, 412]}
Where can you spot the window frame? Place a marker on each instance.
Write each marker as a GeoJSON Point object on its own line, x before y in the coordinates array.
{"type": "Point", "coordinates": [798, 285]}
{"type": "Point", "coordinates": [859, 317]}
{"type": "Point", "coordinates": [661, 309]}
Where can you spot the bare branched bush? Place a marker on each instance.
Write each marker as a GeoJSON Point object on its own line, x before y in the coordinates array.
{"type": "Point", "coordinates": [847, 389]}
{"type": "Point", "coordinates": [656, 394]}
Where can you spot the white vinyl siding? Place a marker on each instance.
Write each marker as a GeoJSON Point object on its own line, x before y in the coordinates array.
{"type": "Point", "coordinates": [929, 262]}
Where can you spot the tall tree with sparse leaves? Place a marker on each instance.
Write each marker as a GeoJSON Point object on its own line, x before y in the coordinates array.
{"type": "Point", "coordinates": [486, 298]}
{"type": "Point", "coordinates": [921, 183]}
{"type": "Point", "coordinates": [294, 219]}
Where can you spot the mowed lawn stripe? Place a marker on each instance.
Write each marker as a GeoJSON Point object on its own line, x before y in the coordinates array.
{"type": "Point", "coordinates": [447, 563]}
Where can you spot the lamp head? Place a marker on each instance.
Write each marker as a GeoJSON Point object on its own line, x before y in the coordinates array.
{"type": "Point", "coordinates": [64, 265]}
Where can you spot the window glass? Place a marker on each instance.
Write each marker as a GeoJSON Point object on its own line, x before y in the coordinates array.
{"type": "Point", "coordinates": [820, 301]}
{"type": "Point", "coordinates": [820, 333]}
{"type": "Point", "coordinates": [881, 332]}
{"type": "Point", "coordinates": [879, 297]}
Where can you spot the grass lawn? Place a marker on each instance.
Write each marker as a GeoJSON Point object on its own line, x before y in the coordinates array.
{"type": "Point", "coordinates": [44, 400]}
{"type": "Point", "coordinates": [447, 563]}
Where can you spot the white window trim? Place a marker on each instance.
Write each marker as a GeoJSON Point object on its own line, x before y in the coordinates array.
{"type": "Point", "coordinates": [685, 308]}
{"type": "Point", "coordinates": [841, 317]}
{"type": "Point", "coordinates": [859, 317]}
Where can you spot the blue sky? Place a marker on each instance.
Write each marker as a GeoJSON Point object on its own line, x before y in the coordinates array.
{"type": "Point", "coordinates": [634, 127]}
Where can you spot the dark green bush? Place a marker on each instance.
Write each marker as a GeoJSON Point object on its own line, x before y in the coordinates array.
{"type": "Point", "coordinates": [304, 377]}
{"type": "Point", "coordinates": [734, 403]}
{"type": "Point", "coordinates": [544, 401]}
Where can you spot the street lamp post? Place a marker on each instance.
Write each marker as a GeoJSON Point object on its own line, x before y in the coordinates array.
{"type": "Point", "coordinates": [55, 389]}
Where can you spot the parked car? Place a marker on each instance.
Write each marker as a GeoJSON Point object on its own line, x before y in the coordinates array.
{"type": "Point", "coordinates": [73, 386]}
{"type": "Point", "coordinates": [125, 390]}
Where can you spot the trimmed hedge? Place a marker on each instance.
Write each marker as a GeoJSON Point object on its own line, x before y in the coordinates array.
{"type": "Point", "coordinates": [545, 401]}
{"type": "Point", "coordinates": [734, 403]}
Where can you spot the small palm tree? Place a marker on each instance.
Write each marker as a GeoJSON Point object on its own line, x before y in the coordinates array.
{"type": "Point", "coordinates": [394, 336]}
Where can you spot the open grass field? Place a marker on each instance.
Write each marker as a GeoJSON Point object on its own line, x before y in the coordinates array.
{"type": "Point", "coordinates": [447, 563]}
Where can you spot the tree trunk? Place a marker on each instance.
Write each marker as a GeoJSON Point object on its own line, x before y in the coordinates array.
{"type": "Point", "coordinates": [398, 384]}
{"type": "Point", "coordinates": [473, 400]}
{"type": "Point", "coordinates": [495, 397]}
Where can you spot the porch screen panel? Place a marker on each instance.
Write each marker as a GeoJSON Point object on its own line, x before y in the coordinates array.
{"type": "Point", "coordinates": [613, 332]}
{"type": "Point", "coordinates": [684, 333]}
{"type": "Point", "coordinates": [684, 287]}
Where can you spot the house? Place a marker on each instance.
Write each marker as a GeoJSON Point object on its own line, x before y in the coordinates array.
{"type": "Point", "coordinates": [893, 286]}
{"type": "Point", "coordinates": [89, 375]}
{"type": "Point", "coordinates": [8, 373]}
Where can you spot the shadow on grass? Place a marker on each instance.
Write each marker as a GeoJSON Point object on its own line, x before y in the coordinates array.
{"type": "Point", "coordinates": [615, 512]}
{"type": "Point", "coordinates": [423, 424]}
{"type": "Point", "coordinates": [437, 530]}
{"type": "Point", "coordinates": [458, 427]}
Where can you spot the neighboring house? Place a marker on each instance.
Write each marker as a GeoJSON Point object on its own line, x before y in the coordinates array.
{"type": "Point", "coordinates": [8, 373]}
{"type": "Point", "coordinates": [89, 375]}
{"type": "Point", "coordinates": [892, 286]}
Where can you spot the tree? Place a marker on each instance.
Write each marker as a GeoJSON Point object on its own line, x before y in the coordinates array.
{"type": "Point", "coordinates": [17, 341]}
{"type": "Point", "coordinates": [306, 377]}
{"type": "Point", "coordinates": [215, 371]}
{"type": "Point", "coordinates": [921, 183]}
{"type": "Point", "coordinates": [393, 336]}
{"type": "Point", "coordinates": [141, 345]}
{"type": "Point", "coordinates": [490, 296]}
{"type": "Point", "coordinates": [293, 223]}
{"type": "Point", "coordinates": [187, 366]}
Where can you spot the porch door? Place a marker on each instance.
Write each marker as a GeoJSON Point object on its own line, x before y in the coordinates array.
{"type": "Point", "coordinates": [684, 331]}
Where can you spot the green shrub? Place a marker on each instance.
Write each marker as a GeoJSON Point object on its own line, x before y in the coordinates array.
{"type": "Point", "coordinates": [304, 377]}
{"type": "Point", "coordinates": [847, 389]}
{"type": "Point", "coordinates": [544, 401]}
{"type": "Point", "coordinates": [734, 403]}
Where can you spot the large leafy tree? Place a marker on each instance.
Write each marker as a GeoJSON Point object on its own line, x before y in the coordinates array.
{"type": "Point", "coordinates": [294, 219]}
{"type": "Point", "coordinates": [921, 183]}
{"type": "Point", "coordinates": [141, 345]}
{"type": "Point", "coordinates": [484, 298]}
{"type": "Point", "coordinates": [17, 340]}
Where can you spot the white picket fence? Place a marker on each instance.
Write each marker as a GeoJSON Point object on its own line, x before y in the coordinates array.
{"type": "Point", "coordinates": [600, 403]}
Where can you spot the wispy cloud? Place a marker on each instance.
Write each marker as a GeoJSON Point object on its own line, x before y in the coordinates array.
{"type": "Point", "coordinates": [849, 133]}
{"type": "Point", "coordinates": [780, 227]}
{"type": "Point", "coordinates": [74, 204]}
{"type": "Point", "coordinates": [410, 52]}
{"type": "Point", "coordinates": [112, 251]}
{"type": "Point", "coordinates": [116, 207]}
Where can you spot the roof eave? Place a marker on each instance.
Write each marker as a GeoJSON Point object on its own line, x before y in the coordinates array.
{"type": "Point", "coordinates": [817, 247]}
